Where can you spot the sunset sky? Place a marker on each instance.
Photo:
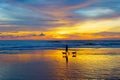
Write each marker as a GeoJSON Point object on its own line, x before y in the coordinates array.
{"type": "Point", "coordinates": [59, 19]}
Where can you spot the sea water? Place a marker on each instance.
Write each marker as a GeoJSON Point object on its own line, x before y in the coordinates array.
{"type": "Point", "coordinates": [56, 44]}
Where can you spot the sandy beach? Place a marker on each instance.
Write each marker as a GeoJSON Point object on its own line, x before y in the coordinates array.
{"type": "Point", "coordinates": [88, 63]}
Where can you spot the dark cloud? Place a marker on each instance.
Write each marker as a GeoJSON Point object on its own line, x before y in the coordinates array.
{"type": "Point", "coordinates": [42, 34]}
{"type": "Point", "coordinates": [108, 34]}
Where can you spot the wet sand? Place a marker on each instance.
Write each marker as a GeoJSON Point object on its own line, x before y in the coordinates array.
{"type": "Point", "coordinates": [88, 63]}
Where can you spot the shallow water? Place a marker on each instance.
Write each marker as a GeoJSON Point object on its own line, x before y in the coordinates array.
{"type": "Point", "coordinates": [87, 64]}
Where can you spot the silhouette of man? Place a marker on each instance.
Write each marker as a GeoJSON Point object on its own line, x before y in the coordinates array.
{"type": "Point", "coordinates": [66, 49]}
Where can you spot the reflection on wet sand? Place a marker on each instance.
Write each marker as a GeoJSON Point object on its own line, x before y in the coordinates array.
{"type": "Point", "coordinates": [51, 65]}
{"type": "Point", "coordinates": [67, 54]}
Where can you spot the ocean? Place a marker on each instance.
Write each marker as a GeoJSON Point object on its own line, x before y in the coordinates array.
{"type": "Point", "coordinates": [44, 60]}
{"type": "Point", "coordinates": [56, 44]}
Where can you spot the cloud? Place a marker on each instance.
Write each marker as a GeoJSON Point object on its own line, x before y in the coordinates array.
{"type": "Point", "coordinates": [32, 12]}
{"type": "Point", "coordinates": [92, 26]}
{"type": "Point", "coordinates": [98, 25]}
{"type": "Point", "coordinates": [59, 16]}
{"type": "Point", "coordinates": [21, 34]}
{"type": "Point", "coordinates": [11, 12]}
{"type": "Point", "coordinates": [78, 36]}
{"type": "Point", "coordinates": [108, 34]}
{"type": "Point", "coordinates": [95, 12]}
{"type": "Point", "coordinates": [42, 34]}
{"type": "Point", "coordinates": [19, 15]}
